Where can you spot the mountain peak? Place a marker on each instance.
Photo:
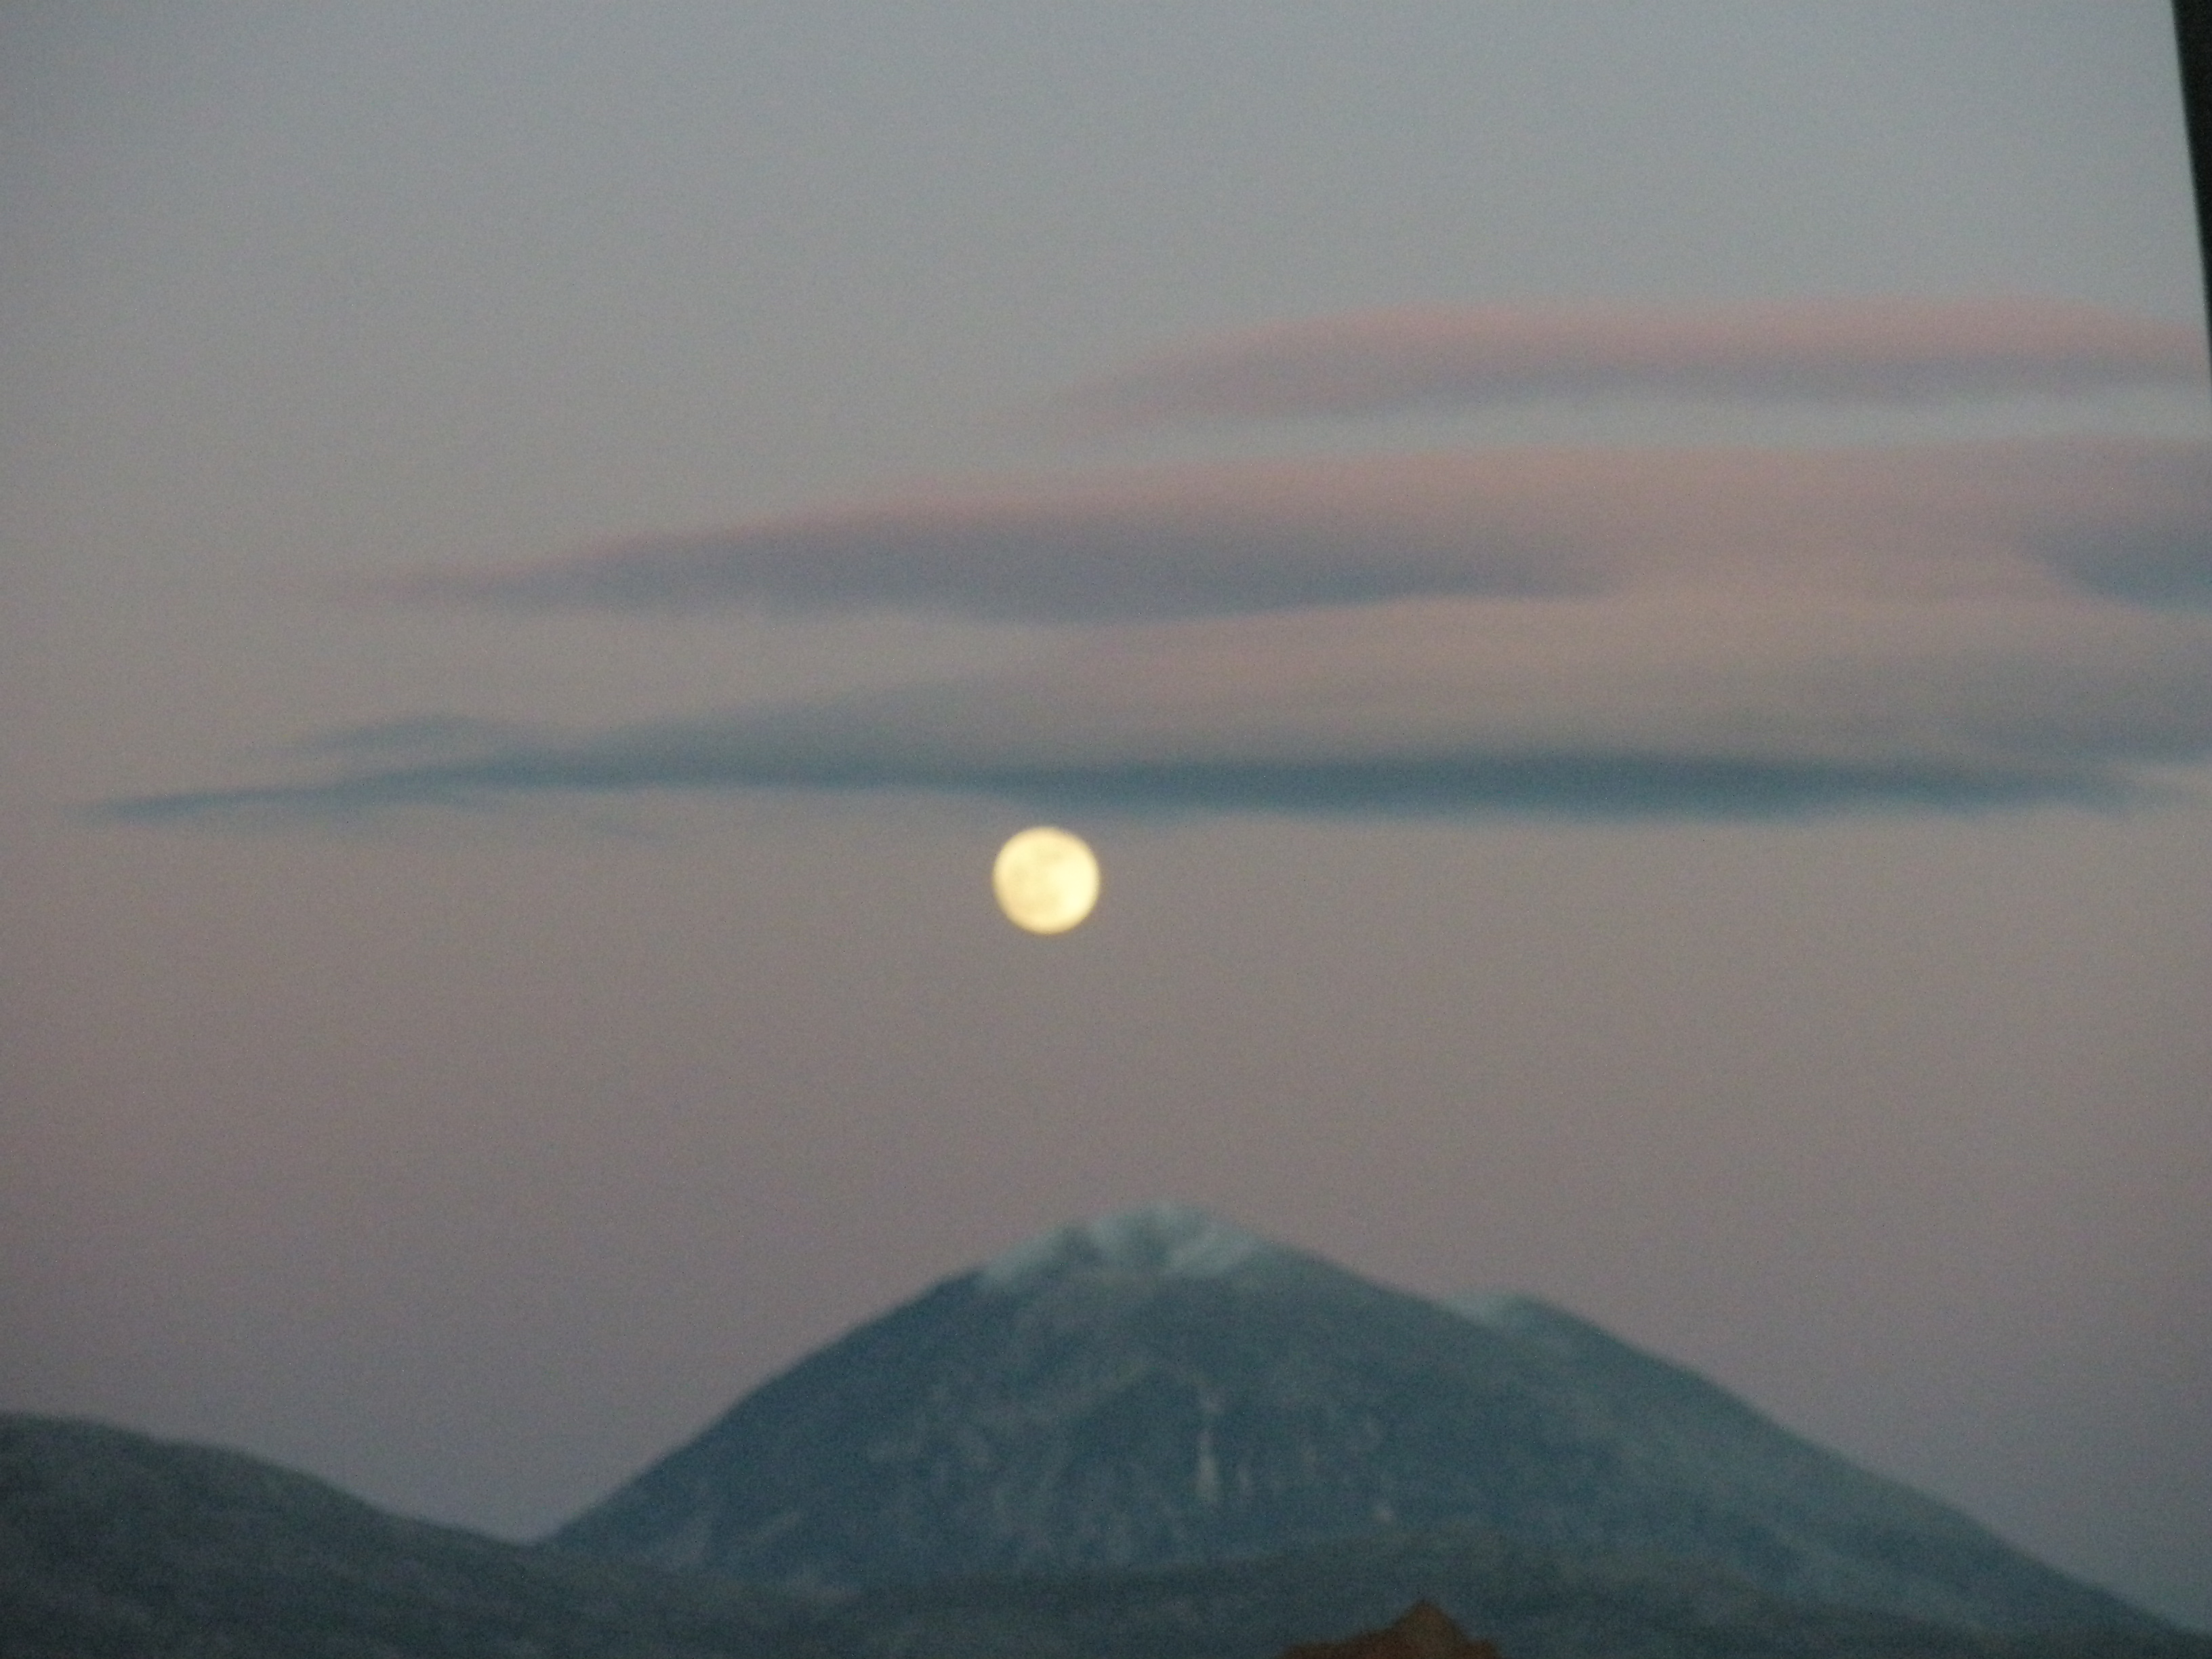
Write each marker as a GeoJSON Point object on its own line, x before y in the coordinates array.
{"type": "Point", "coordinates": [1164, 1239]}
{"type": "Point", "coordinates": [1161, 1387]}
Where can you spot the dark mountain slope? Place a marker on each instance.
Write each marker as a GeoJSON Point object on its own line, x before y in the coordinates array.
{"type": "Point", "coordinates": [1532, 1603]}
{"type": "Point", "coordinates": [1160, 1387]}
{"type": "Point", "coordinates": [111, 1544]}
{"type": "Point", "coordinates": [114, 1545]}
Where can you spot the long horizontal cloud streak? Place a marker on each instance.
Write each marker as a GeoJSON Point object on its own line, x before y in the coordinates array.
{"type": "Point", "coordinates": [1859, 351]}
{"type": "Point", "coordinates": [1648, 704]}
{"type": "Point", "coordinates": [2125, 518]}
{"type": "Point", "coordinates": [1718, 631]}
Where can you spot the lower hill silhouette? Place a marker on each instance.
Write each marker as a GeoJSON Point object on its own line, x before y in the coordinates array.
{"type": "Point", "coordinates": [1162, 1389]}
{"type": "Point", "coordinates": [114, 1545]}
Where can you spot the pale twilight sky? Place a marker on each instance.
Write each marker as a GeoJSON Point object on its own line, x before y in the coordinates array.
{"type": "Point", "coordinates": [472, 1153]}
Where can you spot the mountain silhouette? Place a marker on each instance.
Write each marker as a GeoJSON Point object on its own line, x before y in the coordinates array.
{"type": "Point", "coordinates": [1161, 1387]}
{"type": "Point", "coordinates": [117, 1546]}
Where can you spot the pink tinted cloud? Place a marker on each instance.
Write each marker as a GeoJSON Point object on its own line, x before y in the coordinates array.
{"type": "Point", "coordinates": [1718, 632]}
{"type": "Point", "coordinates": [1833, 350]}
{"type": "Point", "coordinates": [1687, 703]}
{"type": "Point", "coordinates": [2020, 519]}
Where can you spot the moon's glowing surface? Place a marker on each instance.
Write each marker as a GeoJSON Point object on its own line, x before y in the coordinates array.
{"type": "Point", "coordinates": [1046, 879]}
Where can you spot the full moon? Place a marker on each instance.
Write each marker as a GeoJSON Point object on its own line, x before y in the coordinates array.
{"type": "Point", "coordinates": [1046, 879]}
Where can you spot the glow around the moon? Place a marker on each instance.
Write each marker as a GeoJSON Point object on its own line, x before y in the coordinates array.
{"type": "Point", "coordinates": [1047, 880]}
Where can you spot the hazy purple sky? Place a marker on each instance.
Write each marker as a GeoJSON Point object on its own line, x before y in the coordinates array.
{"type": "Point", "coordinates": [1621, 590]}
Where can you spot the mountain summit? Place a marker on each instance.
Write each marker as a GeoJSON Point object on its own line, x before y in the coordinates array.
{"type": "Point", "coordinates": [1162, 1387]}
{"type": "Point", "coordinates": [1173, 1240]}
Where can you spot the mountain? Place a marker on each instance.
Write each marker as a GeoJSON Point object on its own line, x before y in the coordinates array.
{"type": "Point", "coordinates": [1162, 1387]}
{"type": "Point", "coordinates": [114, 1545]}
{"type": "Point", "coordinates": [1532, 1602]}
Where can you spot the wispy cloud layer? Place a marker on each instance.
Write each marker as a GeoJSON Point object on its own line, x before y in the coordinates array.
{"type": "Point", "coordinates": [1661, 698]}
{"type": "Point", "coordinates": [2020, 518]}
{"type": "Point", "coordinates": [1656, 703]}
{"type": "Point", "coordinates": [1852, 350]}
{"type": "Point", "coordinates": [1595, 631]}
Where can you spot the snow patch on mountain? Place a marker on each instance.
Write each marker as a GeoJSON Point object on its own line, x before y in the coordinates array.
{"type": "Point", "coordinates": [1495, 1308]}
{"type": "Point", "coordinates": [1167, 1239]}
